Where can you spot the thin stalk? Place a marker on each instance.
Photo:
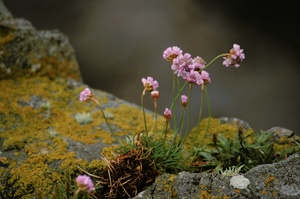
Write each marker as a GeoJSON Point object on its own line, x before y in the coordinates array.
{"type": "Point", "coordinates": [154, 127]}
{"type": "Point", "coordinates": [144, 115]}
{"type": "Point", "coordinates": [209, 117]}
{"type": "Point", "coordinates": [110, 129]}
{"type": "Point", "coordinates": [189, 110]}
{"type": "Point", "coordinates": [176, 132]}
{"type": "Point", "coordinates": [76, 194]}
{"type": "Point", "coordinates": [189, 117]}
{"type": "Point", "coordinates": [217, 57]}
{"type": "Point", "coordinates": [175, 79]}
{"type": "Point", "coordinates": [178, 94]}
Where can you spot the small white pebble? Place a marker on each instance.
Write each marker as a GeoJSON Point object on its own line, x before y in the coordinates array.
{"type": "Point", "coordinates": [239, 182]}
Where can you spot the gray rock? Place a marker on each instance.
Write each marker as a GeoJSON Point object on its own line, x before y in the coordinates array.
{"type": "Point", "coordinates": [45, 139]}
{"type": "Point", "coordinates": [278, 180]}
{"type": "Point", "coordinates": [25, 51]}
{"type": "Point", "coordinates": [281, 132]}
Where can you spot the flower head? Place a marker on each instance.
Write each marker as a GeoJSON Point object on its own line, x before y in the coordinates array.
{"type": "Point", "coordinates": [155, 94]}
{"type": "Point", "coordinates": [194, 77]}
{"type": "Point", "coordinates": [234, 57]}
{"type": "Point", "coordinates": [86, 95]}
{"type": "Point", "coordinates": [182, 65]}
{"type": "Point", "coordinates": [198, 63]}
{"type": "Point", "coordinates": [85, 183]}
{"type": "Point", "coordinates": [184, 100]}
{"type": "Point", "coordinates": [205, 77]}
{"type": "Point", "coordinates": [172, 52]}
{"type": "Point", "coordinates": [168, 114]}
{"type": "Point", "coordinates": [149, 84]}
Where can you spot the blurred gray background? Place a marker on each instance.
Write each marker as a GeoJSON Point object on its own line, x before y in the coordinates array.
{"type": "Point", "coordinates": [119, 42]}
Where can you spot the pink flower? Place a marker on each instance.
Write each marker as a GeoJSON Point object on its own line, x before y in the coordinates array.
{"type": "Point", "coordinates": [205, 77]}
{"type": "Point", "coordinates": [149, 84]}
{"type": "Point", "coordinates": [86, 95]}
{"type": "Point", "coordinates": [182, 65]}
{"type": "Point", "coordinates": [184, 100]}
{"type": "Point", "coordinates": [168, 114]}
{"type": "Point", "coordinates": [85, 183]}
{"type": "Point", "coordinates": [194, 77]}
{"type": "Point", "coordinates": [198, 63]}
{"type": "Point", "coordinates": [172, 52]}
{"type": "Point", "coordinates": [234, 57]}
{"type": "Point", "coordinates": [155, 94]}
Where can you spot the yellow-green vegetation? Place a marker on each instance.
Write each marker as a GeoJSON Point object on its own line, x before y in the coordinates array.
{"type": "Point", "coordinates": [37, 133]}
{"type": "Point", "coordinates": [215, 127]}
{"type": "Point", "coordinates": [234, 147]}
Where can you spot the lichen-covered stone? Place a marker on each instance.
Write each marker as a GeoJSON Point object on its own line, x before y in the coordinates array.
{"type": "Point", "coordinates": [25, 51]}
{"type": "Point", "coordinates": [278, 180]}
{"type": "Point", "coordinates": [40, 137]}
{"type": "Point", "coordinates": [41, 140]}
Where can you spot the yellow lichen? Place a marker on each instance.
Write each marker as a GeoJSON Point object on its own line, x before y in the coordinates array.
{"type": "Point", "coordinates": [42, 137]}
{"type": "Point", "coordinates": [215, 127]}
{"type": "Point", "coordinates": [204, 194]}
{"type": "Point", "coordinates": [264, 192]}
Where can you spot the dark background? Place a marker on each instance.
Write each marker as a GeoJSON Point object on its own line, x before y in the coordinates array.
{"type": "Point", "coordinates": [119, 42]}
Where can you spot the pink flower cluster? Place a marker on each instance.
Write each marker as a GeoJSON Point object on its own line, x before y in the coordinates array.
{"type": "Point", "coordinates": [149, 84]}
{"type": "Point", "coordinates": [183, 65]}
{"type": "Point", "coordinates": [86, 95]}
{"type": "Point", "coordinates": [85, 183]}
{"type": "Point", "coordinates": [234, 57]}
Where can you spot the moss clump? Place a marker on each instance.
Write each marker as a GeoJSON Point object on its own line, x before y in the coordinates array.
{"type": "Point", "coordinates": [215, 127]}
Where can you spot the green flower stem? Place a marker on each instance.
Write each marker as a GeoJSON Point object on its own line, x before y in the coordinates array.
{"type": "Point", "coordinates": [155, 109]}
{"type": "Point", "coordinates": [189, 109]}
{"type": "Point", "coordinates": [144, 115]}
{"type": "Point", "coordinates": [175, 80]}
{"type": "Point", "coordinates": [217, 57]}
{"type": "Point", "coordinates": [189, 117]}
{"type": "Point", "coordinates": [176, 132]}
{"type": "Point", "coordinates": [76, 193]}
{"type": "Point", "coordinates": [209, 117]}
{"type": "Point", "coordinates": [199, 118]}
{"type": "Point", "coordinates": [178, 94]}
{"type": "Point", "coordinates": [110, 129]}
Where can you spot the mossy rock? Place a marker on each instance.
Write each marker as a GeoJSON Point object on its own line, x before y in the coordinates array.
{"type": "Point", "coordinates": [40, 137]}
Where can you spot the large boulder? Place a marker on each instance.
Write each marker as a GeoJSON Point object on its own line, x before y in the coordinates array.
{"type": "Point", "coordinates": [46, 134]}
{"type": "Point", "coordinates": [44, 129]}
{"type": "Point", "coordinates": [26, 51]}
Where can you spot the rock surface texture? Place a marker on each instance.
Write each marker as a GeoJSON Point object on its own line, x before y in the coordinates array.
{"type": "Point", "coordinates": [278, 180]}
{"type": "Point", "coordinates": [26, 51]}
{"type": "Point", "coordinates": [46, 132]}
{"type": "Point", "coordinates": [44, 129]}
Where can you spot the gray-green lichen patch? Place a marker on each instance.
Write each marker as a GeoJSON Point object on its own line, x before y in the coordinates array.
{"type": "Point", "coordinates": [83, 118]}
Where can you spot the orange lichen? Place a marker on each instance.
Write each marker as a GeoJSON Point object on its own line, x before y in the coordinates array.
{"type": "Point", "coordinates": [237, 190]}
{"type": "Point", "coordinates": [6, 36]}
{"type": "Point", "coordinates": [204, 194]}
{"type": "Point", "coordinates": [268, 182]}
